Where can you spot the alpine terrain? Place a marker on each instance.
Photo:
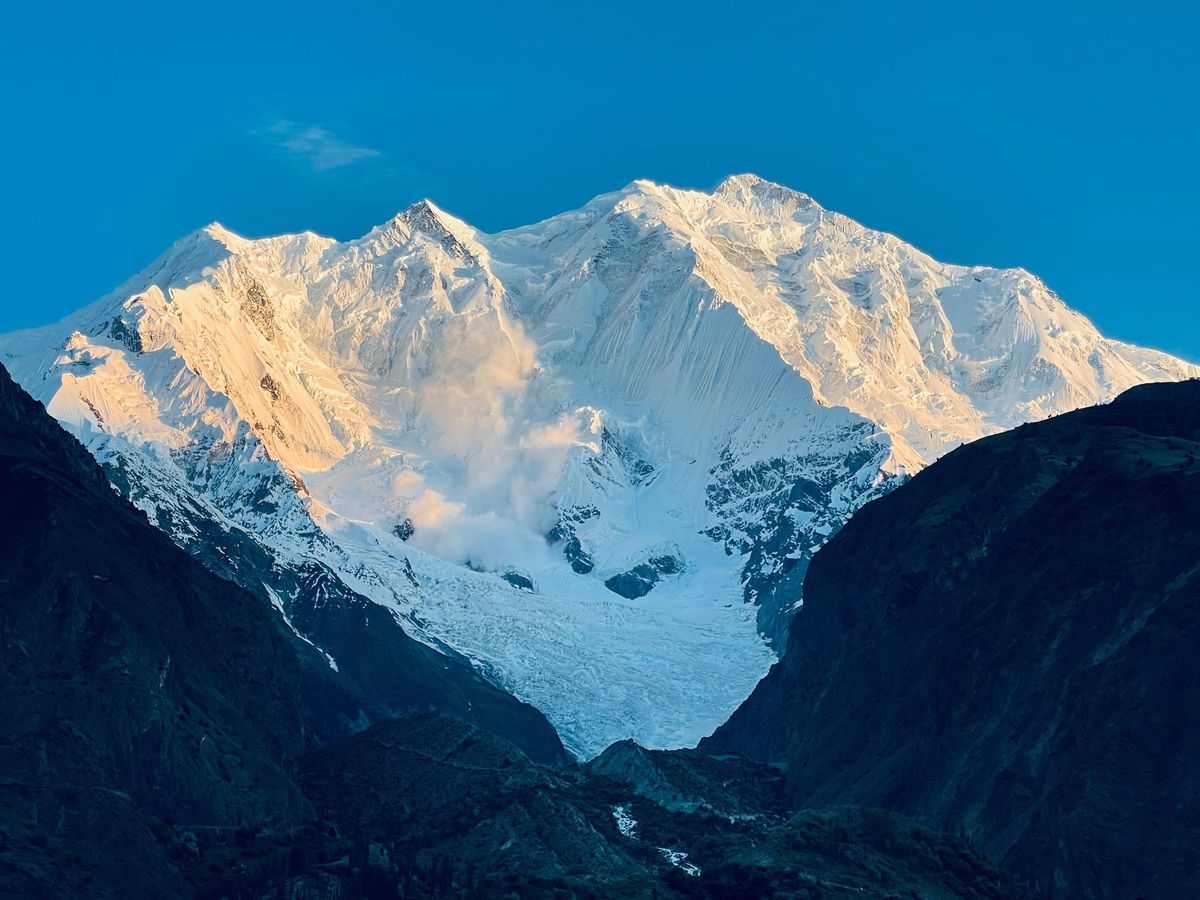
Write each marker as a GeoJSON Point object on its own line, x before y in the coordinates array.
{"type": "Point", "coordinates": [591, 457]}
{"type": "Point", "coordinates": [167, 735]}
{"type": "Point", "coordinates": [1007, 646]}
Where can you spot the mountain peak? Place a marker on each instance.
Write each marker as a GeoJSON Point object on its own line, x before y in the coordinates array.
{"type": "Point", "coordinates": [423, 208]}
{"type": "Point", "coordinates": [427, 215]}
{"type": "Point", "coordinates": [748, 187]}
{"type": "Point", "coordinates": [643, 186]}
{"type": "Point", "coordinates": [744, 181]}
{"type": "Point", "coordinates": [217, 231]}
{"type": "Point", "coordinates": [427, 218]}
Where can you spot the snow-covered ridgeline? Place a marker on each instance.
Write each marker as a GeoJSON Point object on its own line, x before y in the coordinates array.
{"type": "Point", "coordinates": [570, 450]}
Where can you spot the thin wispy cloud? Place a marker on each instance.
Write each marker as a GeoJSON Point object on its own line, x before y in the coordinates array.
{"type": "Point", "coordinates": [317, 147]}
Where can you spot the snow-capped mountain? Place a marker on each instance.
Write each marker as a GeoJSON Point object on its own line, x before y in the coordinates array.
{"type": "Point", "coordinates": [579, 452]}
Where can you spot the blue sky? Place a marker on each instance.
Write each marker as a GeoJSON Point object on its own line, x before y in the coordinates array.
{"type": "Point", "coordinates": [1062, 137]}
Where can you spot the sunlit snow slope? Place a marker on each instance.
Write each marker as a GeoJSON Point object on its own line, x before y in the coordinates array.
{"type": "Point", "coordinates": [578, 452]}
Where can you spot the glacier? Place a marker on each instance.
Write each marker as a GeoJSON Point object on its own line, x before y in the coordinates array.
{"type": "Point", "coordinates": [584, 453]}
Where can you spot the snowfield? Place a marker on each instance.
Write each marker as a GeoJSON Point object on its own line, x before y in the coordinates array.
{"type": "Point", "coordinates": [581, 452]}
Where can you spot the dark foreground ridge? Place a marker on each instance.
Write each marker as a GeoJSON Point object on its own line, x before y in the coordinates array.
{"type": "Point", "coordinates": [166, 735]}
{"type": "Point", "coordinates": [1009, 645]}
{"type": "Point", "coordinates": [136, 688]}
{"type": "Point", "coordinates": [1003, 650]}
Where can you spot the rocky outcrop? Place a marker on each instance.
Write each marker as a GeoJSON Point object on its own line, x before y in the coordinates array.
{"type": "Point", "coordinates": [138, 689]}
{"type": "Point", "coordinates": [153, 710]}
{"type": "Point", "coordinates": [159, 723]}
{"type": "Point", "coordinates": [1007, 645]}
{"type": "Point", "coordinates": [439, 806]}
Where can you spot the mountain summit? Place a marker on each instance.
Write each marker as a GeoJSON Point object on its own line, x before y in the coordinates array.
{"type": "Point", "coordinates": [590, 454]}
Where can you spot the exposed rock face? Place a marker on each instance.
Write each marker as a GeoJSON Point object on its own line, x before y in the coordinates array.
{"type": "Point", "coordinates": [137, 687]}
{"type": "Point", "coordinates": [156, 715]}
{"type": "Point", "coordinates": [433, 788]}
{"type": "Point", "coordinates": [382, 673]}
{"type": "Point", "coordinates": [441, 806]}
{"type": "Point", "coordinates": [148, 701]}
{"type": "Point", "coordinates": [689, 781]}
{"type": "Point", "coordinates": [358, 663]}
{"type": "Point", "coordinates": [1008, 644]}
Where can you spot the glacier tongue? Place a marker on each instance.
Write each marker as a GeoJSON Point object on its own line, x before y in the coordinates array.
{"type": "Point", "coordinates": [582, 453]}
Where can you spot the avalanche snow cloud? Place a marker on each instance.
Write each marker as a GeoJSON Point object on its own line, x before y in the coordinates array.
{"type": "Point", "coordinates": [582, 453]}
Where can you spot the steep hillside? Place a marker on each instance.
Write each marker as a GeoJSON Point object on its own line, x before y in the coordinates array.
{"type": "Point", "coordinates": [155, 746]}
{"type": "Point", "coordinates": [1007, 645]}
{"type": "Point", "coordinates": [444, 809]}
{"type": "Point", "coordinates": [146, 698]}
{"type": "Point", "coordinates": [136, 687]}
